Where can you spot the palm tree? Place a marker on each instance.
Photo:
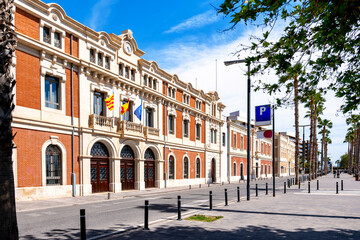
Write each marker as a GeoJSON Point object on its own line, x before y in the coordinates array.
{"type": "Point", "coordinates": [8, 223]}
{"type": "Point", "coordinates": [354, 120]}
{"type": "Point", "coordinates": [324, 125]}
{"type": "Point", "coordinates": [349, 138]}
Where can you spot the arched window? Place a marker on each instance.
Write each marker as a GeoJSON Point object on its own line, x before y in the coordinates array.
{"type": "Point", "coordinates": [99, 150]}
{"type": "Point", "coordinates": [234, 169]}
{"type": "Point", "coordinates": [171, 167]}
{"type": "Point", "coordinates": [186, 167]}
{"type": "Point", "coordinates": [197, 168]}
{"type": "Point", "coordinates": [127, 152]}
{"type": "Point", "coordinates": [149, 154]}
{"type": "Point", "coordinates": [265, 170]}
{"type": "Point", "coordinates": [53, 165]}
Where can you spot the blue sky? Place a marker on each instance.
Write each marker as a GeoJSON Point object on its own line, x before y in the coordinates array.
{"type": "Point", "coordinates": [187, 38]}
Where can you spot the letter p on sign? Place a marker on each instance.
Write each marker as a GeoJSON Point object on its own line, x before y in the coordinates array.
{"type": "Point", "coordinates": [262, 110]}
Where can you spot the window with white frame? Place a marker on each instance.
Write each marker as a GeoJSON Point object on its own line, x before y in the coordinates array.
{"type": "Point", "coordinates": [145, 80]}
{"type": "Point", "coordinates": [171, 124]}
{"type": "Point", "coordinates": [107, 62]}
{"type": "Point", "coordinates": [53, 165]}
{"type": "Point", "coordinates": [242, 142]}
{"type": "Point", "coordinates": [186, 168]}
{"type": "Point", "coordinates": [149, 117]}
{"type": "Point", "coordinates": [234, 140]}
{"type": "Point", "coordinates": [46, 35]}
{"type": "Point", "coordinates": [57, 39]}
{"type": "Point", "coordinates": [171, 167]}
{"type": "Point", "coordinates": [121, 69]}
{"type": "Point", "coordinates": [186, 128]}
{"type": "Point", "coordinates": [99, 106]}
{"type": "Point", "coordinates": [52, 93]}
{"type": "Point", "coordinates": [92, 55]}
{"type": "Point", "coordinates": [100, 59]}
{"type": "Point", "coordinates": [198, 131]}
{"type": "Point", "coordinates": [127, 72]}
{"type": "Point", "coordinates": [128, 115]}
{"type": "Point", "coordinates": [198, 169]}
{"type": "Point", "coordinates": [133, 74]}
{"type": "Point", "coordinates": [154, 84]}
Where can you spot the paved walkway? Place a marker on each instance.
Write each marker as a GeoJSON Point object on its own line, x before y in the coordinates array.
{"type": "Point", "coordinates": [322, 214]}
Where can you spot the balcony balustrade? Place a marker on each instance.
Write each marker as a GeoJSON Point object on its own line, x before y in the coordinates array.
{"type": "Point", "coordinates": [96, 120]}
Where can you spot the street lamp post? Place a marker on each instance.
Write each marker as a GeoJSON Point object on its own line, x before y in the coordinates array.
{"type": "Point", "coordinates": [227, 63]}
{"type": "Point", "coordinates": [303, 151]}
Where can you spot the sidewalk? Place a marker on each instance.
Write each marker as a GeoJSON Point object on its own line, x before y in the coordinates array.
{"type": "Point", "coordinates": [30, 205]}
{"type": "Point", "coordinates": [295, 215]}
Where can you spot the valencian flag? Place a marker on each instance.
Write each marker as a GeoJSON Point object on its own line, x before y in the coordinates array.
{"type": "Point", "coordinates": [125, 107]}
{"type": "Point", "coordinates": [138, 111]}
{"type": "Point", "coordinates": [110, 102]}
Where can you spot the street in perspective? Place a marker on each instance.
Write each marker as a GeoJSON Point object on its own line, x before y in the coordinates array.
{"type": "Point", "coordinates": [213, 119]}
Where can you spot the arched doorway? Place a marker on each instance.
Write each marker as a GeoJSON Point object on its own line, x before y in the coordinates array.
{"type": "Point", "coordinates": [127, 170]}
{"type": "Point", "coordinates": [213, 175]}
{"type": "Point", "coordinates": [99, 170]}
{"type": "Point", "coordinates": [149, 168]}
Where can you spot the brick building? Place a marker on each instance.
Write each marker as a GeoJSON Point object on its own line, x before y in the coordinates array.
{"type": "Point", "coordinates": [66, 136]}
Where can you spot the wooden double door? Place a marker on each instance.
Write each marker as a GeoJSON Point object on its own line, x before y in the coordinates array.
{"type": "Point", "coordinates": [99, 172]}
{"type": "Point", "coordinates": [149, 173]}
{"type": "Point", "coordinates": [127, 174]}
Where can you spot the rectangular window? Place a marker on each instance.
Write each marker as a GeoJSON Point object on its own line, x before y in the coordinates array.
{"type": "Point", "coordinates": [128, 116]}
{"type": "Point", "coordinates": [149, 117]}
{"type": "Point", "coordinates": [154, 84]}
{"type": "Point", "coordinates": [92, 55]}
{"type": "Point", "coordinates": [133, 74]}
{"type": "Point", "coordinates": [223, 138]}
{"type": "Point", "coordinates": [242, 142]}
{"type": "Point", "coordinates": [121, 69]}
{"type": "Point", "coordinates": [127, 70]}
{"type": "Point", "coordinates": [107, 62]}
{"type": "Point", "coordinates": [46, 35]}
{"type": "Point", "coordinates": [198, 131]}
{"type": "Point", "coordinates": [215, 136]}
{"type": "Point", "coordinates": [171, 124]}
{"type": "Point", "coordinates": [100, 60]}
{"type": "Point", "coordinates": [99, 105]}
{"type": "Point", "coordinates": [57, 40]}
{"type": "Point", "coordinates": [52, 92]}
{"type": "Point", "coordinates": [145, 81]}
{"type": "Point", "coordinates": [234, 140]}
{"type": "Point", "coordinates": [186, 128]}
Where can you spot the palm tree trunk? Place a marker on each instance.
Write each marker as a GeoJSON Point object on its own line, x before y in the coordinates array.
{"type": "Point", "coordinates": [356, 152]}
{"type": "Point", "coordinates": [8, 222]}
{"type": "Point", "coordinates": [296, 101]}
{"type": "Point", "coordinates": [322, 151]}
{"type": "Point", "coordinates": [325, 158]}
{"type": "Point", "coordinates": [311, 137]}
{"type": "Point", "coordinates": [350, 157]}
{"type": "Point", "coordinates": [316, 161]}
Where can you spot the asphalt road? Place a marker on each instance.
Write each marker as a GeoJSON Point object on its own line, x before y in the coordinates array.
{"type": "Point", "coordinates": [111, 215]}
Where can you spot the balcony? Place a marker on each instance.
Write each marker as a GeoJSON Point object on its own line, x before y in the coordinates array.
{"type": "Point", "coordinates": [96, 120]}
{"type": "Point", "coordinates": [151, 132]}
{"type": "Point", "coordinates": [126, 127]}
{"type": "Point", "coordinates": [47, 38]}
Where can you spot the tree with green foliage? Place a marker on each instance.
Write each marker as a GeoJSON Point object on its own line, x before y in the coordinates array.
{"type": "Point", "coordinates": [8, 222]}
{"type": "Point", "coordinates": [324, 126]}
{"type": "Point", "coordinates": [321, 38]}
{"type": "Point", "coordinates": [344, 161]}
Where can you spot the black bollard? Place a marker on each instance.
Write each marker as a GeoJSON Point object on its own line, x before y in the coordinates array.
{"type": "Point", "coordinates": [342, 185]}
{"type": "Point", "coordinates": [210, 201]}
{"type": "Point", "coordinates": [82, 224]}
{"type": "Point", "coordinates": [179, 208]}
{"type": "Point", "coordinates": [226, 197]}
{"type": "Point", "coordinates": [337, 187]}
{"type": "Point", "coordinates": [267, 189]}
{"type": "Point", "coordinates": [299, 183]}
{"type": "Point", "coordinates": [256, 190]}
{"type": "Point", "coordinates": [146, 216]}
{"type": "Point", "coordinates": [317, 184]}
{"type": "Point", "coordinates": [238, 194]}
{"type": "Point", "coordinates": [308, 187]}
{"type": "Point", "coordinates": [284, 187]}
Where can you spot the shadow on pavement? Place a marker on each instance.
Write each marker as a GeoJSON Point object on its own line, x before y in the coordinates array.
{"type": "Point", "coordinates": [250, 232]}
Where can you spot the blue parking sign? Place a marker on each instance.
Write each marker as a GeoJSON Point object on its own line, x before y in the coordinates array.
{"type": "Point", "coordinates": [263, 115]}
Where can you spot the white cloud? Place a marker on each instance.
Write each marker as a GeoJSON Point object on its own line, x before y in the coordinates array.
{"type": "Point", "coordinates": [196, 21]}
{"type": "Point", "coordinates": [100, 13]}
{"type": "Point", "coordinates": [193, 61]}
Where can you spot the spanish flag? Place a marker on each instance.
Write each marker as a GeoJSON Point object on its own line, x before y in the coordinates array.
{"type": "Point", "coordinates": [125, 107]}
{"type": "Point", "coordinates": [110, 102]}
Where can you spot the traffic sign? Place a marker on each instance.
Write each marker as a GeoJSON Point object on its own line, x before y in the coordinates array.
{"type": "Point", "coordinates": [263, 115]}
